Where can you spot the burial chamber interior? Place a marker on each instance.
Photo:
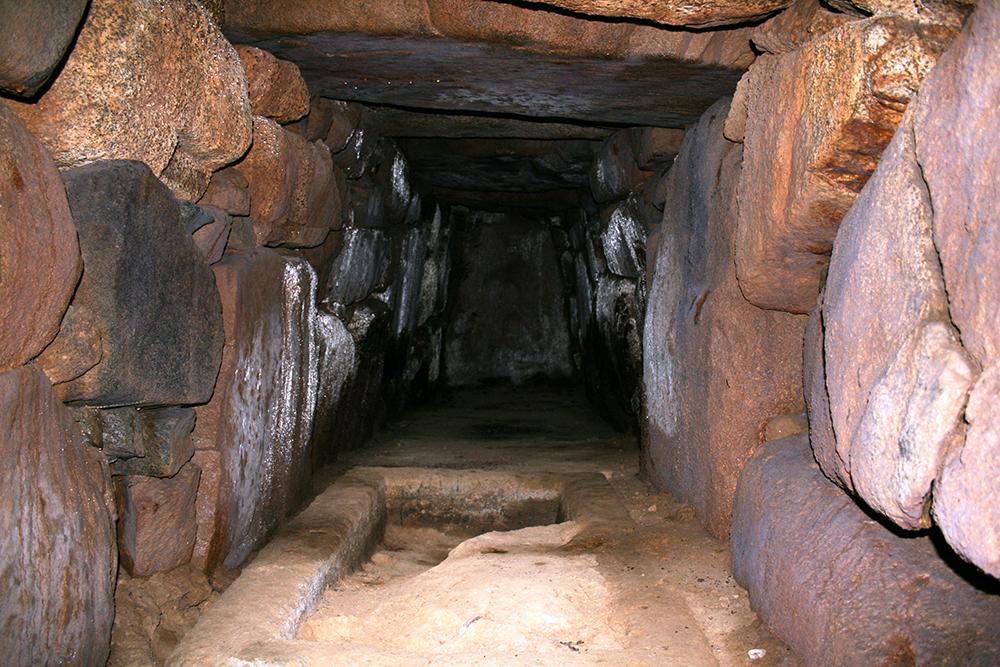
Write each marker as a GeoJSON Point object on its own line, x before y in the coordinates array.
{"type": "Point", "coordinates": [486, 204]}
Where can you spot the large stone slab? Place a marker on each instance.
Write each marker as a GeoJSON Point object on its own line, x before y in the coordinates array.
{"type": "Point", "coordinates": [359, 267]}
{"type": "Point", "coordinates": [958, 148]}
{"type": "Point", "coordinates": [156, 521]}
{"type": "Point", "coordinates": [677, 12]}
{"type": "Point", "coordinates": [509, 321]}
{"type": "Point", "coordinates": [146, 80]}
{"type": "Point", "coordinates": [842, 589]}
{"type": "Point", "coordinates": [716, 367]}
{"type": "Point", "coordinates": [294, 198]}
{"type": "Point", "coordinates": [36, 222]}
{"type": "Point", "coordinates": [147, 289]}
{"type": "Point", "coordinates": [34, 37]}
{"type": "Point", "coordinates": [335, 363]}
{"type": "Point", "coordinates": [154, 442]}
{"type": "Point", "coordinates": [261, 414]}
{"type": "Point", "coordinates": [474, 56]}
{"type": "Point", "coordinates": [818, 120]}
{"type": "Point", "coordinates": [58, 559]}
{"type": "Point", "coordinates": [623, 239]}
{"type": "Point", "coordinates": [369, 323]}
{"type": "Point", "coordinates": [896, 373]}
{"type": "Point", "coordinates": [276, 88]}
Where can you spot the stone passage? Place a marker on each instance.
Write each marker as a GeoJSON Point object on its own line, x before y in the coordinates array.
{"type": "Point", "coordinates": [238, 240]}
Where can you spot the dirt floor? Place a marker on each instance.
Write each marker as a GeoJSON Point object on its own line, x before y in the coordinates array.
{"type": "Point", "coordinates": [659, 594]}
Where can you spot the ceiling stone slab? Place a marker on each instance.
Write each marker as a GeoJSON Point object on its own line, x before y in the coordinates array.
{"type": "Point", "coordinates": [396, 122]}
{"type": "Point", "coordinates": [532, 27]}
{"type": "Point", "coordinates": [448, 75]}
{"type": "Point", "coordinates": [689, 13]}
{"type": "Point", "coordinates": [500, 165]}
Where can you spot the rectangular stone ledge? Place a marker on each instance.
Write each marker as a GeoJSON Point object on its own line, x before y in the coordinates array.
{"type": "Point", "coordinates": [842, 589]}
{"type": "Point", "coordinates": [255, 621]}
{"type": "Point", "coordinates": [267, 602]}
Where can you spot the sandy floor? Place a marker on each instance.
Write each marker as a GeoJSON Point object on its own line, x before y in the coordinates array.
{"type": "Point", "coordinates": [661, 594]}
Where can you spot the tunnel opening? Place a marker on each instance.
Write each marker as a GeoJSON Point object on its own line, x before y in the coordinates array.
{"type": "Point", "coordinates": [729, 263]}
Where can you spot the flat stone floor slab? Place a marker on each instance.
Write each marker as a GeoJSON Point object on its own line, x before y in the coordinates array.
{"type": "Point", "coordinates": [652, 589]}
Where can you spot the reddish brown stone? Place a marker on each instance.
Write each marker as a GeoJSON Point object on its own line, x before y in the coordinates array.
{"type": "Point", "coordinates": [144, 79]}
{"type": "Point", "coordinates": [717, 368]}
{"type": "Point", "coordinates": [156, 520]}
{"type": "Point", "coordinates": [228, 190]}
{"type": "Point", "coordinates": [818, 120]}
{"type": "Point", "coordinates": [34, 37]}
{"type": "Point", "coordinates": [36, 222]}
{"type": "Point", "coordinates": [677, 12]}
{"type": "Point", "coordinates": [655, 148]}
{"type": "Point", "coordinates": [294, 198]}
{"type": "Point", "coordinates": [213, 237]}
{"type": "Point", "coordinates": [57, 538]}
{"type": "Point", "coordinates": [951, 12]}
{"type": "Point", "coordinates": [958, 147]}
{"type": "Point", "coordinates": [76, 349]}
{"type": "Point", "coordinates": [344, 120]}
{"type": "Point", "coordinates": [260, 417]}
{"type": "Point", "coordinates": [276, 88]}
{"type": "Point", "coordinates": [896, 374]}
{"type": "Point", "coordinates": [804, 21]}
{"type": "Point", "coordinates": [842, 589]}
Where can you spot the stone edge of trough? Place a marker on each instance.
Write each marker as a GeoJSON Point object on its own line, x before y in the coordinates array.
{"type": "Point", "coordinates": [330, 538]}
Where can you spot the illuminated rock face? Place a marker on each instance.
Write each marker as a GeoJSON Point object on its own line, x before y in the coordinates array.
{"type": "Point", "coordinates": [817, 121]}
{"type": "Point", "coordinates": [818, 568]}
{"type": "Point", "coordinates": [260, 418]}
{"type": "Point", "coordinates": [906, 379]}
{"type": "Point", "coordinates": [35, 222]}
{"type": "Point", "coordinates": [147, 82]}
{"type": "Point", "coordinates": [58, 560]}
{"type": "Point", "coordinates": [716, 366]}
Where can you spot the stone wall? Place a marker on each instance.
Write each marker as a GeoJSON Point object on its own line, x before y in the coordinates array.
{"type": "Point", "coordinates": [237, 277]}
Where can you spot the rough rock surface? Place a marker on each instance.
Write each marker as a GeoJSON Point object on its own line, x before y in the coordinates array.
{"type": "Point", "coordinates": [896, 373]}
{"type": "Point", "coordinates": [145, 80]}
{"type": "Point", "coordinates": [34, 37]}
{"type": "Point", "coordinates": [156, 520]}
{"type": "Point", "coordinates": [677, 13]}
{"type": "Point", "coordinates": [35, 223]}
{"type": "Point", "coordinates": [623, 239]}
{"type": "Point", "coordinates": [369, 323]}
{"type": "Point", "coordinates": [335, 364]}
{"type": "Point", "coordinates": [818, 120]}
{"type": "Point", "coordinates": [294, 198]}
{"type": "Point", "coordinates": [717, 368]}
{"type": "Point", "coordinates": [655, 147]}
{"type": "Point", "coordinates": [75, 349]}
{"type": "Point", "coordinates": [275, 86]}
{"type": "Point", "coordinates": [842, 589]}
{"type": "Point", "coordinates": [509, 320]}
{"type": "Point", "coordinates": [615, 170]}
{"type": "Point", "coordinates": [228, 190]}
{"type": "Point", "coordinates": [154, 442]}
{"type": "Point", "coordinates": [359, 267]}
{"type": "Point", "coordinates": [958, 148]}
{"type": "Point", "coordinates": [57, 551]}
{"type": "Point", "coordinates": [260, 417]}
{"type": "Point", "coordinates": [147, 289]}
{"type": "Point", "coordinates": [212, 238]}
{"type": "Point", "coordinates": [804, 21]}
